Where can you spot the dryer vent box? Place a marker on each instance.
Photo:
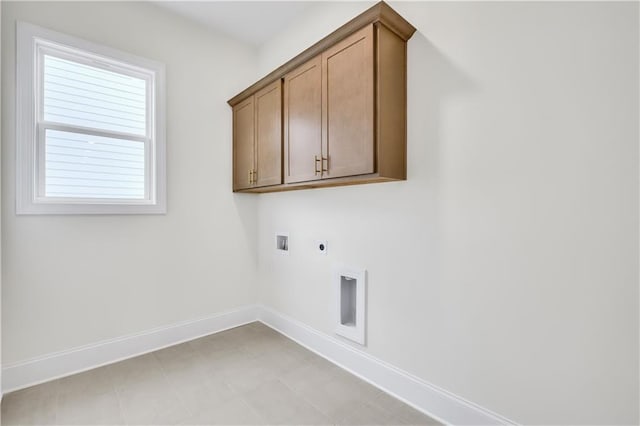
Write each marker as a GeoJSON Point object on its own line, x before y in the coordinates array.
{"type": "Point", "coordinates": [350, 304]}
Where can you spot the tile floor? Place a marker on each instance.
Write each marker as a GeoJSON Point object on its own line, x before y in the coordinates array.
{"type": "Point", "coordinates": [248, 375]}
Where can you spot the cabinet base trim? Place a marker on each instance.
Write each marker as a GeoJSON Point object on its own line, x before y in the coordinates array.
{"type": "Point", "coordinates": [324, 183]}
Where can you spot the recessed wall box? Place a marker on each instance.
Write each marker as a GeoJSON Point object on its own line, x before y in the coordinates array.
{"type": "Point", "coordinates": [350, 305]}
{"type": "Point", "coordinates": [282, 242]}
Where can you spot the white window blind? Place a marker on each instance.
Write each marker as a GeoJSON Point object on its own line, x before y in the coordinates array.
{"type": "Point", "coordinates": [97, 135]}
{"type": "Point", "coordinates": [89, 166]}
{"type": "Point", "coordinates": [81, 164]}
{"type": "Point", "coordinates": [82, 95]}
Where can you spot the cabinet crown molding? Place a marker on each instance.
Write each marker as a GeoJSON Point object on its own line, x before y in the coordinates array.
{"type": "Point", "coordinates": [379, 13]}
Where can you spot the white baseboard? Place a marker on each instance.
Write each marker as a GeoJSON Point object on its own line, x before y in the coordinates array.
{"type": "Point", "coordinates": [52, 366]}
{"type": "Point", "coordinates": [433, 401]}
{"type": "Point", "coordinates": [437, 403]}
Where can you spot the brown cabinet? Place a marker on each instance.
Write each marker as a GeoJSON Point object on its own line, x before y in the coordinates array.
{"type": "Point", "coordinates": [328, 113]}
{"type": "Point", "coordinates": [303, 123]}
{"type": "Point", "coordinates": [243, 144]}
{"type": "Point", "coordinates": [257, 139]}
{"type": "Point", "coordinates": [347, 106]}
{"type": "Point", "coordinates": [344, 111]}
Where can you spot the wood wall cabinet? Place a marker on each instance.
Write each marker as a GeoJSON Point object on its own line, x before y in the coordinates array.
{"type": "Point", "coordinates": [257, 139]}
{"type": "Point", "coordinates": [303, 123]}
{"type": "Point", "coordinates": [244, 139]}
{"type": "Point", "coordinates": [348, 112]}
{"type": "Point", "coordinates": [343, 111]}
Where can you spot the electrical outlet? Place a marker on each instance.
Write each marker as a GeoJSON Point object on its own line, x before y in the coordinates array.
{"type": "Point", "coordinates": [322, 247]}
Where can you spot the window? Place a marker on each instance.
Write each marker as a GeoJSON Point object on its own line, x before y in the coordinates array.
{"type": "Point", "coordinates": [90, 128]}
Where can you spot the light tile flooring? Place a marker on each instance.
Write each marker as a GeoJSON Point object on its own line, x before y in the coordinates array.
{"type": "Point", "coordinates": [247, 375]}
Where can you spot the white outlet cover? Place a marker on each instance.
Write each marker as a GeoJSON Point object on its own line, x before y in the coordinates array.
{"type": "Point", "coordinates": [324, 244]}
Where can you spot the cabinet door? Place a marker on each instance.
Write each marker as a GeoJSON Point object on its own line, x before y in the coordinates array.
{"type": "Point", "coordinates": [243, 144]}
{"type": "Point", "coordinates": [268, 152]}
{"type": "Point", "coordinates": [348, 108]}
{"type": "Point", "coordinates": [303, 122]}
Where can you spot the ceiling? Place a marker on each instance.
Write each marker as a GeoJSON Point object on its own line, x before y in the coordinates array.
{"type": "Point", "coordinates": [253, 22]}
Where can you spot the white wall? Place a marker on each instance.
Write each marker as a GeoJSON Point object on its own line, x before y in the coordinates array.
{"type": "Point", "coordinates": [74, 280]}
{"type": "Point", "coordinates": [505, 269]}
{"type": "Point", "coordinates": [0, 205]}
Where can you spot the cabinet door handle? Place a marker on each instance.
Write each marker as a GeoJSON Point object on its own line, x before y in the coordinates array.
{"type": "Point", "coordinates": [255, 176]}
{"type": "Point", "coordinates": [327, 160]}
{"type": "Point", "coordinates": [250, 176]}
{"type": "Point", "coordinates": [318, 160]}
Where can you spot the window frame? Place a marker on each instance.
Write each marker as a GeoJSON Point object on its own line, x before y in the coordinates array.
{"type": "Point", "coordinates": [33, 43]}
